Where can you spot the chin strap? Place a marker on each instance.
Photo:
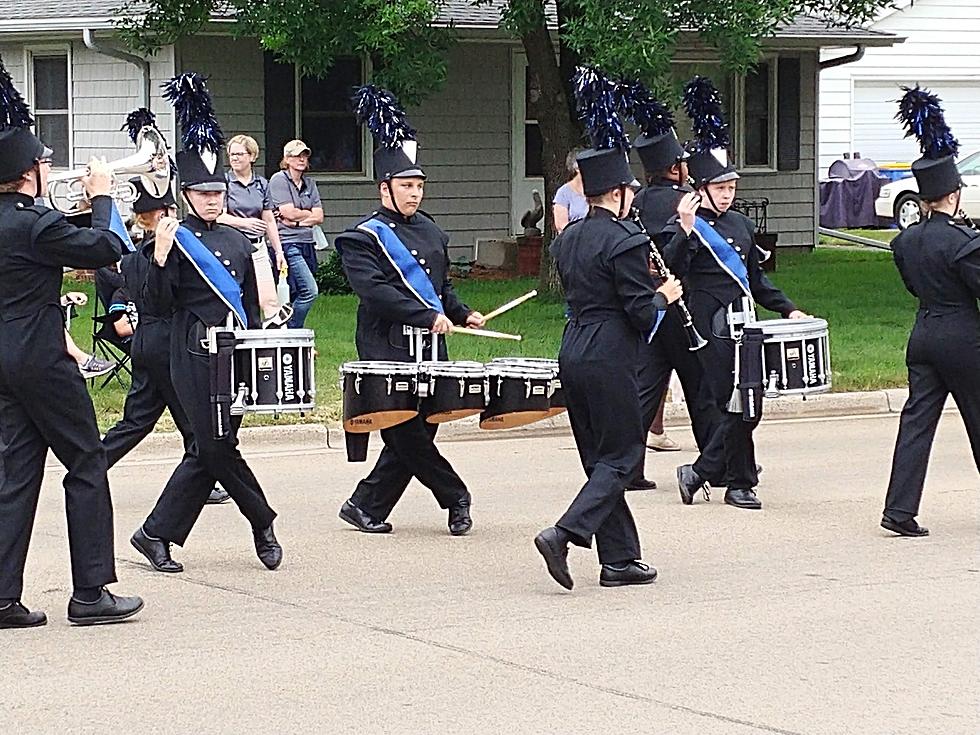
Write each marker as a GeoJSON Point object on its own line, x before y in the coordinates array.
{"type": "Point", "coordinates": [394, 202]}
{"type": "Point", "coordinates": [622, 202]}
{"type": "Point", "coordinates": [37, 180]}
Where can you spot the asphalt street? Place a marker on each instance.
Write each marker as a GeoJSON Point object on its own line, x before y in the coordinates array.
{"type": "Point", "coordinates": [804, 617]}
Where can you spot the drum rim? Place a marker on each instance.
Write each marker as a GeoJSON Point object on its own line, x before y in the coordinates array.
{"type": "Point", "coordinates": [508, 370]}
{"type": "Point", "coordinates": [260, 335]}
{"type": "Point", "coordinates": [814, 326]}
{"type": "Point", "coordinates": [453, 368]}
{"type": "Point", "coordinates": [390, 367]}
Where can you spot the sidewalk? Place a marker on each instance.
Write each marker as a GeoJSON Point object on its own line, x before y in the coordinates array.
{"type": "Point", "coordinates": [864, 403]}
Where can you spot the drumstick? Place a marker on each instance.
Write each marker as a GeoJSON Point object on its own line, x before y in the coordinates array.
{"type": "Point", "coordinates": [484, 333]}
{"type": "Point", "coordinates": [510, 305]}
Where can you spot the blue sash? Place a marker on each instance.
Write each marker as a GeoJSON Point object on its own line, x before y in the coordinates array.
{"type": "Point", "coordinates": [411, 273]}
{"type": "Point", "coordinates": [213, 272]}
{"type": "Point", "coordinates": [723, 253]}
{"type": "Point", "coordinates": [117, 228]}
{"type": "Point", "coordinates": [656, 325]}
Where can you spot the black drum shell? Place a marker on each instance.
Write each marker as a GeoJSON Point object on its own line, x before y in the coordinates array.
{"type": "Point", "coordinates": [292, 366]}
{"type": "Point", "coordinates": [444, 402]}
{"type": "Point", "coordinates": [373, 408]}
{"type": "Point", "coordinates": [511, 404]}
{"type": "Point", "coordinates": [797, 351]}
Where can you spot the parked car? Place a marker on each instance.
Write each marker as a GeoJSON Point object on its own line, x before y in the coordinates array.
{"type": "Point", "coordinates": [899, 200]}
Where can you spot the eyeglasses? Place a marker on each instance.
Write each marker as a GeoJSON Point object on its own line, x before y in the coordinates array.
{"type": "Point", "coordinates": [238, 154]}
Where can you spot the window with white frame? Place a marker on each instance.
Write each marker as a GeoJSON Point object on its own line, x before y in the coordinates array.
{"type": "Point", "coordinates": [50, 101]}
{"type": "Point", "coordinates": [318, 111]}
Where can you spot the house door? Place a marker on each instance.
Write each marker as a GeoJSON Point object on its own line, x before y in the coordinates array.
{"type": "Point", "coordinates": [526, 171]}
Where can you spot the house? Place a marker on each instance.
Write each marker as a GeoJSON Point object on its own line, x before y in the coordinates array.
{"type": "Point", "coordinates": [940, 51]}
{"type": "Point", "coordinates": [479, 146]}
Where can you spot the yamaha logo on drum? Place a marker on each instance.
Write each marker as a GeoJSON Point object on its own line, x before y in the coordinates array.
{"type": "Point", "coordinates": [811, 361]}
{"type": "Point", "coordinates": [288, 378]}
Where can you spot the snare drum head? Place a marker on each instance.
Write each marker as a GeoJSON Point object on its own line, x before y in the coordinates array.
{"type": "Point", "coordinates": [781, 327]}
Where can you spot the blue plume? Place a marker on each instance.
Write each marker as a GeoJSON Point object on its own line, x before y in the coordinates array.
{"type": "Point", "coordinates": [702, 103]}
{"type": "Point", "coordinates": [921, 114]}
{"type": "Point", "coordinates": [199, 128]}
{"type": "Point", "coordinates": [650, 115]}
{"type": "Point", "coordinates": [137, 120]}
{"type": "Point", "coordinates": [379, 110]}
{"type": "Point", "coordinates": [597, 101]}
{"type": "Point", "coordinates": [14, 112]}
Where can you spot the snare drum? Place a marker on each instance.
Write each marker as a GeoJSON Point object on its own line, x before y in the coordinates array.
{"type": "Point", "coordinates": [556, 403]}
{"type": "Point", "coordinates": [795, 356]}
{"type": "Point", "coordinates": [272, 370]}
{"type": "Point", "coordinates": [516, 395]}
{"type": "Point", "coordinates": [378, 395]}
{"type": "Point", "coordinates": [451, 390]}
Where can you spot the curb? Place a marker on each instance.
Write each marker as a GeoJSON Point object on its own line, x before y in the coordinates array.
{"type": "Point", "coordinates": [321, 436]}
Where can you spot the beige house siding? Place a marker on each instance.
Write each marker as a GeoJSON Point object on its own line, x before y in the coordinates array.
{"type": "Point", "coordinates": [464, 132]}
{"type": "Point", "coordinates": [792, 194]}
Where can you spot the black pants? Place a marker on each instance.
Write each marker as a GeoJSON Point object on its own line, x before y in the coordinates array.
{"type": "Point", "coordinates": [150, 393]}
{"type": "Point", "coordinates": [666, 353]}
{"type": "Point", "coordinates": [604, 410]}
{"type": "Point", "coordinates": [729, 456]}
{"type": "Point", "coordinates": [44, 404]}
{"type": "Point", "coordinates": [943, 358]}
{"type": "Point", "coordinates": [409, 451]}
{"type": "Point", "coordinates": [209, 459]}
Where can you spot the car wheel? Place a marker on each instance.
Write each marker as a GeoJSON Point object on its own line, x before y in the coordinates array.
{"type": "Point", "coordinates": [907, 211]}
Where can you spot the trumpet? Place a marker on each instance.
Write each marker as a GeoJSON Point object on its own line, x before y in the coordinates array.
{"type": "Point", "coordinates": [694, 339]}
{"type": "Point", "coordinates": [151, 161]}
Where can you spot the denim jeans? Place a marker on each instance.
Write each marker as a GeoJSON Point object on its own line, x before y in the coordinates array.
{"type": "Point", "coordinates": [302, 284]}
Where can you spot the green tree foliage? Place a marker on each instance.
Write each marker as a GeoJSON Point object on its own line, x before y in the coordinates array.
{"type": "Point", "coordinates": [631, 38]}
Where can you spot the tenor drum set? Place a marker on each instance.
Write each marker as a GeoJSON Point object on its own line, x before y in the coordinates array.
{"type": "Point", "coordinates": [507, 393]}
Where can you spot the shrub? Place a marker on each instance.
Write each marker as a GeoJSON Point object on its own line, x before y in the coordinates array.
{"type": "Point", "coordinates": [330, 276]}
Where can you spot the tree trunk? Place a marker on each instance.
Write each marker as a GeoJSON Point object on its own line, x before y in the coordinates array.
{"type": "Point", "coordinates": [559, 132]}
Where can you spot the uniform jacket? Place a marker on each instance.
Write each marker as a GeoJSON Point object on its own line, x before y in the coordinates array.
{"type": "Point", "coordinates": [603, 265]}
{"type": "Point", "coordinates": [177, 286]}
{"type": "Point", "coordinates": [36, 243]}
{"type": "Point", "coordinates": [709, 288]}
{"type": "Point", "coordinates": [386, 304]}
{"type": "Point", "coordinates": [939, 261]}
{"type": "Point", "coordinates": [658, 204]}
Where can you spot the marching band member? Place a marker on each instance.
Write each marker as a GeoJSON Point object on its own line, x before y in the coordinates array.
{"type": "Point", "coordinates": [397, 262]}
{"type": "Point", "coordinates": [151, 390]}
{"type": "Point", "coordinates": [54, 413]}
{"type": "Point", "coordinates": [603, 263]}
{"type": "Point", "coordinates": [939, 261]}
{"type": "Point", "coordinates": [720, 264]}
{"type": "Point", "coordinates": [665, 167]}
{"type": "Point", "coordinates": [203, 273]}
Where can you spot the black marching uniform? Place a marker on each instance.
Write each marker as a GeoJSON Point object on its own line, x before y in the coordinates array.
{"type": "Point", "coordinates": [657, 205]}
{"type": "Point", "coordinates": [177, 287]}
{"type": "Point", "coordinates": [729, 456]}
{"type": "Point", "coordinates": [939, 261]}
{"type": "Point", "coordinates": [43, 400]}
{"type": "Point", "coordinates": [603, 263]}
{"type": "Point", "coordinates": [152, 390]}
{"type": "Point", "coordinates": [386, 306]}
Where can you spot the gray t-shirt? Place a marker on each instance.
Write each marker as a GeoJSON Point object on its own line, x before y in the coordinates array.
{"type": "Point", "coordinates": [282, 190]}
{"type": "Point", "coordinates": [247, 200]}
{"type": "Point", "coordinates": [575, 203]}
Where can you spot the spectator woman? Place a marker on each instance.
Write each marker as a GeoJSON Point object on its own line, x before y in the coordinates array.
{"type": "Point", "coordinates": [296, 202]}
{"type": "Point", "coordinates": [248, 208]}
{"type": "Point", "coordinates": [570, 204]}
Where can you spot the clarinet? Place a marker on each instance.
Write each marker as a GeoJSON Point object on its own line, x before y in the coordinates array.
{"type": "Point", "coordinates": [695, 341]}
{"type": "Point", "coordinates": [966, 220]}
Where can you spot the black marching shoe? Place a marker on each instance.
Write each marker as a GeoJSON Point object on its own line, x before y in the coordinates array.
{"type": "Point", "coordinates": [689, 482]}
{"type": "Point", "coordinates": [267, 548]}
{"type": "Point", "coordinates": [910, 527]}
{"type": "Point", "coordinates": [552, 544]}
{"type": "Point", "coordinates": [642, 484]}
{"type": "Point", "coordinates": [620, 575]}
{"type": "Point", "coordinates": [156, 551]}
{"type": "Point", "coordinates": [218, 496]}
{"type": "Point", "coordinates": [743, 498]}
{"type": "Point", "coordinates": [460, 522]}
{"type": "Point", "coordinates": [107, 609]}
{"type": "Point", "coordinates": [14, 615]}
{"type": "Point", "coordinates": [361, 520]}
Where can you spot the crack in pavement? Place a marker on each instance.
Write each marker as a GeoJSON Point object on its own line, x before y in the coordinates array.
{"type": "Point", "coordinates": [515, 665]}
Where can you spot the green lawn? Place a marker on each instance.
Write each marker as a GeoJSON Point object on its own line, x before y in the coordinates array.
{"type": "Point", "coordinates": [857, 291]}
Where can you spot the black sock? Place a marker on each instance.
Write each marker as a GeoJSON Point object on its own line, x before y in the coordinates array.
{"type": "Point", "coordinates": [87, 594]}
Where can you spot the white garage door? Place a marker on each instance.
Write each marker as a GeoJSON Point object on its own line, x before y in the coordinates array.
{"type": "Point", "coordinates": [877, 135]}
